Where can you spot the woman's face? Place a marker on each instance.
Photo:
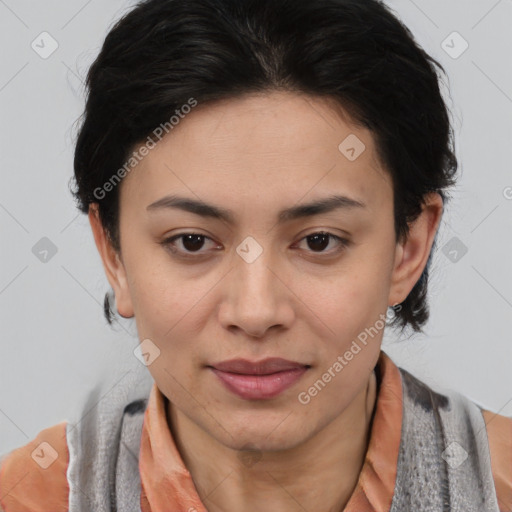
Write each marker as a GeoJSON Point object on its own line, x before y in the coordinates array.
{"type": "Point", "coordinates": [256, 283]}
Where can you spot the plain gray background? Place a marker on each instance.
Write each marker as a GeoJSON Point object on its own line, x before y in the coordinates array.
{"type": "Point", "coordinates": [55, 343]}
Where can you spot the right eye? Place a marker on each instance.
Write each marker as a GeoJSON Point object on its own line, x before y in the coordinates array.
{"type": "Point", "coordinates": [191, 243]}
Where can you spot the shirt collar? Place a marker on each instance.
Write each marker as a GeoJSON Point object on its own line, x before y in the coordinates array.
{"type": "Point", "coordinates": [166, 482]}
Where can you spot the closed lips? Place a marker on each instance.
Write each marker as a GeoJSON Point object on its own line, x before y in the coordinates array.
{"type": "Point", "coordinates": [264, 367]}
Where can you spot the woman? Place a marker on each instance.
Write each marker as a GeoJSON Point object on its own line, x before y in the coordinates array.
{"type": "Point", "coordinates": [264, 180]}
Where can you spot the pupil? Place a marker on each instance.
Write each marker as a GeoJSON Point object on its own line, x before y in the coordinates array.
{"type": "Point", "coordinates": [316, 245]}
{"type": "Point", "coordinates": [192, 242]}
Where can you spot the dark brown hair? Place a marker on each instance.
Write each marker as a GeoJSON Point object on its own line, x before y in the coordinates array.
{"type": "Point", "coordinates": [163, 52]}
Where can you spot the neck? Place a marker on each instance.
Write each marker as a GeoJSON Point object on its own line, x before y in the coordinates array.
{"type": "Point", "coordinates": [282, 481]}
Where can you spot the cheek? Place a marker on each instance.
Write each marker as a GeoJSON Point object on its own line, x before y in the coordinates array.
{"type": "Point", "coordinates": [352, 300]}
{"type": "Point", "coordinates": [160, 292]}
{"type": "Point", "coordinates": [164, 306]}
{"type": "Point", "coordinates": [352, 305]}
{"type": "Point", "coordinates": [171, 309]}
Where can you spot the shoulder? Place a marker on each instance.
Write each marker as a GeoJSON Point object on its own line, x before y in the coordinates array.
{"type": "Point", "coordinates": [36, 473]}
{"type": "Point", "coordinates": [461, 411]}
{"type": "Point", "coordinates": [499, 433]}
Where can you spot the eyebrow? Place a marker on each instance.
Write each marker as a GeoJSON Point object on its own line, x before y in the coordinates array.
{"type": "Point", "coordinates": [325, 205]}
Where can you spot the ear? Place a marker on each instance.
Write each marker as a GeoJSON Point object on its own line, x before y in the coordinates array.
{"type": "Point", "coordinates": [112, 264]}
{"type": "Point", "coordinates": [411, 255]}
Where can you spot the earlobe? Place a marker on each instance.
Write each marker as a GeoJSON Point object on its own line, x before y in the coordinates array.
{"type": "Point", "coordinates": [112, 264]}
{"type": "Point", "coordinates": [411, 255]}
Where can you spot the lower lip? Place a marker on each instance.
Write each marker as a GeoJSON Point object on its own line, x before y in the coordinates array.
{"type": "Point", "coordinates": [259, 387]}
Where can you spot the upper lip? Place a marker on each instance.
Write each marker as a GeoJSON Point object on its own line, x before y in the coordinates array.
{"type": "Point", "coordinates": [263, 367]}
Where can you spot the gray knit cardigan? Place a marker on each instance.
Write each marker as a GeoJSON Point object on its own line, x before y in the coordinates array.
{"type": "Point", "coordinates": [443, 463]}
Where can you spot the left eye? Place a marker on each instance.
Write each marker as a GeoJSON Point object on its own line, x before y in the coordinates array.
{"type": "Point", "coordinates": [320, 240]}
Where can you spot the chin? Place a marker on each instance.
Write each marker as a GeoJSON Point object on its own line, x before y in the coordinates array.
{"type": "Point", "coordinates": [266, 438]}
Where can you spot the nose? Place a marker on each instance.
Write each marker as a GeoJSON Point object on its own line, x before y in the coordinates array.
{"type": "Point", "coordinates": [256, 298]}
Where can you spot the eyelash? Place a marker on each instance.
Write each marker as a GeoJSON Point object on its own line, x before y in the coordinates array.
{"type": "Point", "coordinates": [169, 243]}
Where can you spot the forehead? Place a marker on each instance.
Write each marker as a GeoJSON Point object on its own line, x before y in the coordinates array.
{"type": "Point", "coordinates": [262, 146]}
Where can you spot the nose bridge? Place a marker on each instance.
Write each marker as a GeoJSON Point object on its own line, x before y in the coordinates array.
{"type": "Point", "coordinates": [254, 291]}
{"type": "Point", "coordinates": [253, 279]}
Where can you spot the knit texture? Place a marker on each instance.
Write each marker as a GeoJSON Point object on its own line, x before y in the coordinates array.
{"type": "Point", "coordinates": [104, 445]}
{"type": "Point", "coordinates": [444, 460]}
{"type": "Point", "coordinates": [443, 463]}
